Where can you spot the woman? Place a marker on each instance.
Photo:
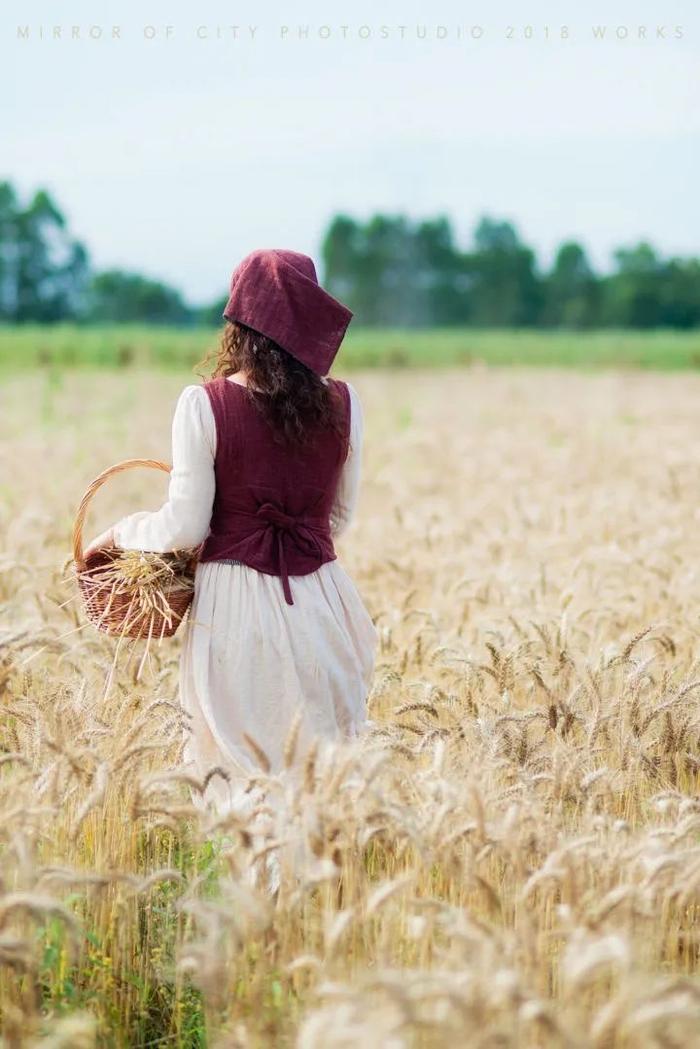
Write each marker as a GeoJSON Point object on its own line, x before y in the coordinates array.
{"type": "Point", "coordinates": [266, 466]}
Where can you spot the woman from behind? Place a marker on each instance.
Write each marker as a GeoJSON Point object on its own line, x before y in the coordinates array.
{"type": "Point", "coordinates": [278, 645]}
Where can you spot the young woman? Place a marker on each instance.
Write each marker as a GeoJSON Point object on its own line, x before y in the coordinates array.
{"type": "Point", "coordinates": [266, 467]}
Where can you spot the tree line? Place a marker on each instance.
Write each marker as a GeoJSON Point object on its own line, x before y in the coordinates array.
{"type": "Point", "coordinates": [395, 272]}
{"type": "Point", "coordinates": [392, 271]}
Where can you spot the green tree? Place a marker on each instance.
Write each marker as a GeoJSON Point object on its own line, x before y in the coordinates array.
{"type": "Point", "coordinates": [391, 271]}
{"type": "Point", "coordinates": [680, 294]}
{"type": "Point", "coordinates": [120, 297]}
{"type": "Point", "coordinates": [50, 268]}
{"type": "Point", "coordinates": [341, 252]}
{"type": "Point", "coordinates": [441, 275]}
{"type": "Point", "coordinates": [211, 316]}
{"type": "Point", "coordinates": [384, 277]}
{"type": "Point", "coordinates": [505, 289]}
{"type": "Point", "coordinates": [632, 295]}
{"type": "Point", "coordinates": [8, 251]}
{"type": "Point", "coordinates": [43, 270]}
{"type": "Point", "coordinates": [572, 292]}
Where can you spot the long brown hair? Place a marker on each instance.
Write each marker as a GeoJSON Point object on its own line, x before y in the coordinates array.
{"type": "Point", "coordinates": [293, 399]}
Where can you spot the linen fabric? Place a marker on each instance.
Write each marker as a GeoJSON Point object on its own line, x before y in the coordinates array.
{"type": "Point", "coordinates": [273, 502]}
{"type": "Point", "coordinates": [276, 292]}
{"type": "Point", "coordinates": [250, 663]}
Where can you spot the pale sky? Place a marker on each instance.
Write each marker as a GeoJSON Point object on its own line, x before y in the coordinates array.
{"type": "Point", "coordinates": [178, 155]}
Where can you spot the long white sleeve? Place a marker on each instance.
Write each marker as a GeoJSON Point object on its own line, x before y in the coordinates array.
{"type": "Point", "coordinates": [346, 496]}
{"type": "Point", "coordinates": [184, 519]}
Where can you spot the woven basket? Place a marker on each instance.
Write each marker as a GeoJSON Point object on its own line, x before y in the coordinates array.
{"type": "Point", "coordinates": [109, 612]}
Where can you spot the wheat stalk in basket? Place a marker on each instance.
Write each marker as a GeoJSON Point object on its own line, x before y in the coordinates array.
{"type": "Point", "coordinates": [132, 593]}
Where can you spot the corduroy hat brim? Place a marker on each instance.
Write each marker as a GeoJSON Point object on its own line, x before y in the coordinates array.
{"type": "Point", "coordinates": [276, 292]}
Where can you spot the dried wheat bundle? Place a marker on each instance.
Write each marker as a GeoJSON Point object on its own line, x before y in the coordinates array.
{"type": "Point", "coordinates": [136, 593]}
{"type": "Point", "coordinates": [132, 593]}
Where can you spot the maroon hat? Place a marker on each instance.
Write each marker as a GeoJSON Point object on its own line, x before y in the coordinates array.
{"type": "Point", "coordinates": [277, 293]}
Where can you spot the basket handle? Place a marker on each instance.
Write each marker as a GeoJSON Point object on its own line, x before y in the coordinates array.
{"type": "Point", "coordinates": [127, 464]}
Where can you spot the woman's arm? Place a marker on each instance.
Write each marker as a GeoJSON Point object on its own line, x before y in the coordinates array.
{"type": "Point", "coordinates": [183, 520]}
{"type": "Point", "coordinates": [346, 495]}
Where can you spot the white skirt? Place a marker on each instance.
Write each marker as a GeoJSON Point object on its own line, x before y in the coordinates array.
{"type": "Point", "coordinates": [250, 662]}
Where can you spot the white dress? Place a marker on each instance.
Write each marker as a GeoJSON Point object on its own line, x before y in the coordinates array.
{"type": "Point", "coordinates": [249, 661]}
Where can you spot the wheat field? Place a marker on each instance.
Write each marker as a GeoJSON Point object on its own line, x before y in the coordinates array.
{"type": "Point", "coordinates": [511, 858]}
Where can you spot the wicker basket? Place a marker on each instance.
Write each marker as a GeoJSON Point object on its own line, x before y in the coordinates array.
{"type": "Point", "coordinates": [109, 612]}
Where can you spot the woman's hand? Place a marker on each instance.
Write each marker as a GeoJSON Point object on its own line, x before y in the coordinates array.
{"type": "Point", "coordinates": [104, 541]}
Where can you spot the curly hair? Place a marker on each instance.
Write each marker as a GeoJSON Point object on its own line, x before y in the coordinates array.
{"type": "Point", "coordinates": [292, 398]}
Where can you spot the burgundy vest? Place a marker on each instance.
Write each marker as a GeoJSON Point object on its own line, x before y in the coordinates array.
{"type": "Point", "coordinates": [272, 504]}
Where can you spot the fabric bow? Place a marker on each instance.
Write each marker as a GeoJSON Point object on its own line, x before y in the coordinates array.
{"type": "Point", "coordinates": [303, 533]}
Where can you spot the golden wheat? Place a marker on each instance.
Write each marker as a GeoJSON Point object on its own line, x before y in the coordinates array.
{"type": "Point", "coordinates": [509, 857]}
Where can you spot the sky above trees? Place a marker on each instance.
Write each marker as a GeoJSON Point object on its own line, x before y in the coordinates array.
{"type": "Point", "coordinates": [180, 155]}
